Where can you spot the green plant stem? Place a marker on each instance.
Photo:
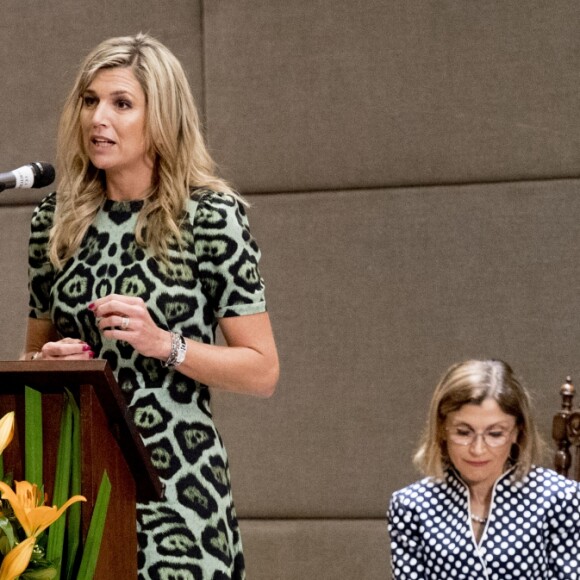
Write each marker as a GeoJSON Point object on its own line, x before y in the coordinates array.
{"type": "Point", "coordinates": [96, 528]}
{"type": "Point", "coordinates": [55, 544]}
{"type": "Point", "coordinates": [73, 531]}
{"type": "Point", "coordinates": [33, 456]}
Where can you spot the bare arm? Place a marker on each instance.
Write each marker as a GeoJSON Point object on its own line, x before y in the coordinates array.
{"type": "Point", "coordinates": [248, 364]}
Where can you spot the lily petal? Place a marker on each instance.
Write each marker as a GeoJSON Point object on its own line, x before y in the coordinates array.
{"type": "Point", "coordinates": [6, 430]}
{"type": "Point", "coordinates": [33, 518]}
{"type": "Point", "coordinates": [28, 495]}
{"type": "Point", "coordinates": [17, 507]}
{"type": "Point", "coordinates": [44, 516]}
{"type": "Point", "coordinates": [17, 560]}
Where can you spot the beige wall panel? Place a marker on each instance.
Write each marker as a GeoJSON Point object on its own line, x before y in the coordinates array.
{"type": "Point", "coordinates": [372, 296]}
{"type": "Point", "coordinates": [320, 94]}
{"type": "Point", "coordinates": [14, 231]}
{"type": "Point", "coordinates": [315, 549]}
{"type": "Point", "coordinates": [43, 44]}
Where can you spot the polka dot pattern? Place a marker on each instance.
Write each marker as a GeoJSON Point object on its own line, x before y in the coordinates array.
{"type": "Point", "coordinates": [532, 533]}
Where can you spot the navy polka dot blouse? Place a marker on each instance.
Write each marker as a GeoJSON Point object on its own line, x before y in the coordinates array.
{"type": "Point", "coordinates": [532, 532]}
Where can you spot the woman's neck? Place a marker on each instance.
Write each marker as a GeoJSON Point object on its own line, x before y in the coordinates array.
{"type": "Point", "coordinates": [480, 496]}
{"type": "Point", "coordinates": [122, 187]}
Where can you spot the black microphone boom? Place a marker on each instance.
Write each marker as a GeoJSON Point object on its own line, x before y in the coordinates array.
{"type": "Point", "coordinates": [32, 175]}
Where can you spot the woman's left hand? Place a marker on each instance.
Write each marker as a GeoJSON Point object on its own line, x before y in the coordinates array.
{"type": "Point", "coordinates": [127, 318]}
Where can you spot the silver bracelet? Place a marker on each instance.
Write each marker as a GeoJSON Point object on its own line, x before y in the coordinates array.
{"type": "Point", "coordinates": [182, 351]}
{"type": "Point", "coordinates": [177, 352]}
{"type": "Point", "coordinates": [173, 352]}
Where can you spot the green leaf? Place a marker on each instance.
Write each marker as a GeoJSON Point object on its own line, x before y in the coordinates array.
{"type": "Point", "coordinates": [7, 535]}
{"type": "Point", "coordinates": [33, 436]}
{"type": "Point", "coordinates": [96, 528]}
{"type": "Point", "coordinates": [45, 573]}
{"type": "Point", "coordinates": [73, 532]}
{"type": "Point", "coordinates": [5, 546]}
{"type": "Point", "coordinates": [61, 483]}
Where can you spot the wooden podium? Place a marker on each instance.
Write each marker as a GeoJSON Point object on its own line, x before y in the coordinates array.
{"type": "Point", "coordinates": [109, 441]}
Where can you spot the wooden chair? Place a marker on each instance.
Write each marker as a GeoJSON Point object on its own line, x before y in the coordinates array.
{"type": "Point", "coordinates": [566, 433]}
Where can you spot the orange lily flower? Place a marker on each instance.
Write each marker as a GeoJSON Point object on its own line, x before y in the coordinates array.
{"type": "Point", "coordinates": [6, 430]}
{"type": "Point", "coordinates": [16, 561]}
{"type": "Point", "coordinates": [26, 503]}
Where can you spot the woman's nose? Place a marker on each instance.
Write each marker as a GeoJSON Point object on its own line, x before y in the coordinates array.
{"type": "Point", "coordinates": [100, 115]}
{"type": "Point", "coordinates": [478, 444]}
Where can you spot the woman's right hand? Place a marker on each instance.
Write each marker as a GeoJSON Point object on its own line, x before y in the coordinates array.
{"type": "Point", "coordinates": [65, 349]}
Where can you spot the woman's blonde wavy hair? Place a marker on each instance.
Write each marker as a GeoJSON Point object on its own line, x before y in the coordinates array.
{"type": "Point", "coordinates": [181, 160]}
{"type": "Point", "coordinates": [470, 382]}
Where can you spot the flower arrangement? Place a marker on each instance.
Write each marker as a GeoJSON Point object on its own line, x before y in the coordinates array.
{"type": "Point", "coordinates": [28, 550]}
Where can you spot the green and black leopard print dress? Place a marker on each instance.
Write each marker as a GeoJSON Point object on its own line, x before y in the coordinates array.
{"type": "Point", "coordinates": [193, 533]}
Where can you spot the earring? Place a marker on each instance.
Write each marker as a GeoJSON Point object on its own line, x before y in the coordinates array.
{"type": "Point", "coordinates": [514, 453]}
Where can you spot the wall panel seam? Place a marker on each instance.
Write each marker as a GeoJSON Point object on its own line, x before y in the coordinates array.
{"type": "Point", "coordinates": [450, 184]}
{"type": "Point", "coordinates": [313, 519]}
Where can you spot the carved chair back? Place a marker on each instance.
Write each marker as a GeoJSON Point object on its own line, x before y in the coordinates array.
{"type": "Point", "coordinates": [566, 434]}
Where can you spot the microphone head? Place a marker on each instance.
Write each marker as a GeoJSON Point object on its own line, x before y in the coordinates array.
{"type": "Point", "coordinates": [43, 174]}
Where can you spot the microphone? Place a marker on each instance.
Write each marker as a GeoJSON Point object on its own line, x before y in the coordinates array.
{"type": "Point", "coordinates": [32, 175]}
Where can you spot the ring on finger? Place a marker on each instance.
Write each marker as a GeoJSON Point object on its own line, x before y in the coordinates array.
{"type": "Point", "coordinates": [124, 323]}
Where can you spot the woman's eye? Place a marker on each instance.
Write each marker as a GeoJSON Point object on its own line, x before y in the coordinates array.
{"type": "Point", "coordinates": [463, 432]}
{"type": "Point", "coordinates": [496, 434]}
{"type": "Point", "coordinates": [122, 104]}
{"type": "Point", "coordinates": [89, 101]}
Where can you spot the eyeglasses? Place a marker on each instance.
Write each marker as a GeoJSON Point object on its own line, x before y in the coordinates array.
{"type": "Point", "coordinates": [492, 437]}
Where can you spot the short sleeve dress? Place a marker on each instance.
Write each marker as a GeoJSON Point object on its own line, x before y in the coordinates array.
{"type": "Point", "coordinates": [193, 532]}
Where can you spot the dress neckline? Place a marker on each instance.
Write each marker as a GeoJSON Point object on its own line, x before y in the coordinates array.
{"type": "Point", "coordinates": [111, 205]}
